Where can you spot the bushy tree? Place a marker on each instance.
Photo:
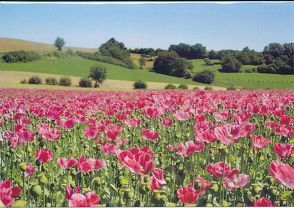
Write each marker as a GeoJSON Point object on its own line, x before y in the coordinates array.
{"type": "Point", "coordinates": [171, 64]}
{"type": "Point", "coordinates": [140, 85]}
{"type": "Point", "coordinates": [183, 87]}
{"type": "Point", "coordinates": [21, 56]}
{"type": "Point", "coordinates": [59, 43]}
{"type": "Point", "coordinates": [230, 64]}
{"type": "Point", "coordinates": [206, 77]}
{"type": "Point", "coordinates": [184, 50]}
{"type": "Point", "coordinates": [51, 81]}
{"type": "Point", "coordinates": [170, 87]}
{"type": "Point", "coordinates": [85, 82]}
{"type": "Point", "coordinates": [142, 62]}
{"type": "Point", "coordinates": [65, 81]}
{"type": "Point", "coordinates": [97, 74]}
{"type": "Point", "coordinates": [117, 50]}
{"type": "Point", "coordinates": [35, 80]}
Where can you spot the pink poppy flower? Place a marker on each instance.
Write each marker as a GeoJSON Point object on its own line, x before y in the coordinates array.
{"type": "Point", "coordinates": [86, 165]}
{"type": "Point", "coordinates": [233, 181]}
{"type": "Point", "coordinates": [190, 147]}
{"type": "Point", "coordinates": [150, 135]}
{"type": "Point", "coordinates": [132, 122]}
{"type": "Point", "coordinates": [218, 169]}
{"type": "Point", "coordinates": [167, 122]}
{"type": "Point", "coordinates": [109, 149]}
{"type": "Point", "coordinates": [137, 160]}
{"type": "Point", "coordinates": [30, 170]}
{"type": "Point", "coordinates": [157, 179]}
{"type": "Point", "coordinates": [181, 115]}
{"type": "Point", "coordinates": [88, 200]}
{"type": "Point", "coordinates": [66, 163]}
{"type": "Point", "coordinates": [259, 142]}
{"type": "Point", "coordinates": [282, 173]}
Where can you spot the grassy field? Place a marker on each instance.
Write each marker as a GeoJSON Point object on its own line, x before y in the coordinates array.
{"type": "Point", "coordinates": [249, 80]}
{"type": "Point", "coordinates": [79, 67]}
{"type": "Point", "coordinates": [11, 79]}
{"type": "Point", "coordinates": [9, 44]}
{"type": "Point", "coordinates": [76, 66]}
{"type": "Point", "coordinates": [135, 57]}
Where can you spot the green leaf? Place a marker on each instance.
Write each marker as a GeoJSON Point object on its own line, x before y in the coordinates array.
{"type": "Point", "coordinates": [285, 195]}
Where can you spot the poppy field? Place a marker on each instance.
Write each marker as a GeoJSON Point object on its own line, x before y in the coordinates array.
{"type": "Point", "coordinates": [146, 148]}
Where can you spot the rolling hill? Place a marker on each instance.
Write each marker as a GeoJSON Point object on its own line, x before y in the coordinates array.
{"type": "Point", "coordinates": [78, 67]}
{"type": "Point", "coordinates": [9, 44]}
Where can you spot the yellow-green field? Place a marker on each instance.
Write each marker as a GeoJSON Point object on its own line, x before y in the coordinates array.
{"type": "Point", "coordinates": [9, 44]}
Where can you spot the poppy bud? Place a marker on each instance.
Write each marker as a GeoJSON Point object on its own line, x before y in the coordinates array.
{"type": "Point", "coordinates": [22, 166]}
{"type": "Point", "coordinates": [43, 179]}
{"type": "Point", "coordinates": [37, 190]}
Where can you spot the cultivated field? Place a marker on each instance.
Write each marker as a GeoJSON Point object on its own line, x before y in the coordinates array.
{"type": "Point", "coordinates": [146, 148]}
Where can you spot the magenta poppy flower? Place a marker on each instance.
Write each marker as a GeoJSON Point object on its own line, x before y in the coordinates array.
{"type": "Point", "coordinates": [157, 179]}
{"type": "Point", "coordinates": [283, 150]}
{"type": "Point", "coordinates": [262, 202]}
{"type": "Point", "coordinates": [150, 135]}
{"type": "Point", "coordinates": [8, 192]}
{"type": "Point", "coordinates": [44, 155]}
{"type": "Point", "coordinates": [30, 170]}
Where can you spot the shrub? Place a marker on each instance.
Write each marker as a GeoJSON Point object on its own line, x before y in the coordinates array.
{"type": "Point", "coordinates": [195, 88]}
{"type": "Point", "coordinates": [85, 82]}
{"type": "Point", "coordinates": [140, 85]}
{"type": "Point", "coordinates": [21, 56]}
{"type": "Point", "coordinates": [170, 87]}
{"type": "Point", "coordinates": [65, 81]}
{"type": "Point", "coordinates": [24, 81]}
{"type": "Point", "coordinates": [51, 81]}
{"type": "Point", "coordinates": [35, 80]}
{"type": "Point", "coordinates": [208, 88]}
{"type": "Point", "coordinates": [231, 88]}
{"type": "Point", "coordinates": [183, 87]}
{"type": "Point", "coordinates": [206, 77]}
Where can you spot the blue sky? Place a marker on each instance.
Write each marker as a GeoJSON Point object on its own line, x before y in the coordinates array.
{"type": "Point", "coordinates": [217, 26]}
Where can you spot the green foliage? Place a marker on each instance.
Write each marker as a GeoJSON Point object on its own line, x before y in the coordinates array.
{"type": "Point", "coordinates": [171, 64]}
{"type": "Point", "coordinates": [144, 51]}
{"type": "Point", "coordinates": [140, 85]}
{"type": "Point", "coordinates": [24, 81]}
{"type": "Point", "coordinates": [142, 62]}
{"type": "Point", "coordinates": [206, 77]}
{"type": "Point", "coordinates": [59, 43]}
{"type": "Point", "coordinates": [117, 50]}
{"type": "Point", "coordinates": [170, 87]}
{"type": "Point", "coordinates": [65, 81]}
{"type": "Point", "coordinates": [208, 88]}
{"type": "Point", "coordinates": [189, 51]}
{"type": "Point", "coordinates": [183, 87]}
{"type": "Point", "coordinates": [230, 64]}
{"type": "Point", "coordinates": [107, 59]}
{"type": "Point", "coordinates": [97, 74]}
{"type": "Point", "coordinates": [21, 56]}
{"type": "Point", "coordinates": [85, 82]}
{"type": "Point", "coordinates": [278, 58]}
{"type": "Point", "coordinates": [35, 80]}
{"type": "Point", "coordinates": [231, 88]}
{"type": "Point", "coordinates": [51, 81]}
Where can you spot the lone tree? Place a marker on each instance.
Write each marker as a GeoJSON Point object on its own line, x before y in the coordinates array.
{"type": "Point", "coordinates": [142, 62]}
{"type": "Point", "coordinates": [97, 74]}
{"type": "Point", "coordinates": [59, 43]}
